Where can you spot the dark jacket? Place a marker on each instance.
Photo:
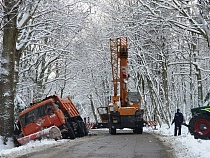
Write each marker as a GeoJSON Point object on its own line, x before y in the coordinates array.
{"type": "Point", "coordinates": [178, 119]}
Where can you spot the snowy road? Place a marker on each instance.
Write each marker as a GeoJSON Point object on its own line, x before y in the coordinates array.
{"type": "Point", "coordinates": [182, 146]}
{"type": "Point", "coordinates": [123, 145]}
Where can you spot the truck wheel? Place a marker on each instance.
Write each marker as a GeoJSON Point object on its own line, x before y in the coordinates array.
{"type": "Point", "coordinates": [191, 124]}
{"type": "Point", "coordinates": [71, 133]}
{"type": "Point", "coordinates": [80, 129]}
{"type": "Point", "coordinates": [201, 126]}
{"type": "Point", "coordinates": [138, 130]}
{"type": "Point", "coordinates": [112, 130]}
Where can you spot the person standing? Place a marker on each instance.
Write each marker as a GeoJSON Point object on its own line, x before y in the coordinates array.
{"type": "Point", "coordinates": [178, 120]}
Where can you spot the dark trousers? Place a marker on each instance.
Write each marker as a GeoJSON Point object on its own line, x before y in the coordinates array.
{"type": "Point", "coordinates": [177, 128]}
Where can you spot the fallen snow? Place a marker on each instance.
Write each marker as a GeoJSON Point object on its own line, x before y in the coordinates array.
{"type": "Point", "coordinates": [183, 146]}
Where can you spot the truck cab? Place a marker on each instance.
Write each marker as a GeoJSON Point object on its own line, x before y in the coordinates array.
{"type": "Point", "coordinates": [41, 115]}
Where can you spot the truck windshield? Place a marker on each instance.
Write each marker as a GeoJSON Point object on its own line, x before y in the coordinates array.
{"type": "Point", "coordinates": [133, 97]}
{"type": "Point", "coordinates": [102, 110]}
{"type": "Point", "coordinates": [36, 113]}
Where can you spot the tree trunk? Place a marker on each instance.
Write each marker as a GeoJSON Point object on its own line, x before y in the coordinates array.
{"type": "Point", "coordinates": [199, 82]}
{"type": "Point", "coordinates": [93, 109]}
{"type": "Point", "coordinates": [7, 73]}
{"type": "Point", "coordinates": [165, 86]}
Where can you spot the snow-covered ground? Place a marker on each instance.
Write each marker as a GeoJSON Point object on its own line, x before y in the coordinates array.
{"type": "Point", "coordinates": [184, 146]}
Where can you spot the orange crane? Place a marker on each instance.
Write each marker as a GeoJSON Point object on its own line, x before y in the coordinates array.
{"type": "Point", "coordinates": [125, 108]}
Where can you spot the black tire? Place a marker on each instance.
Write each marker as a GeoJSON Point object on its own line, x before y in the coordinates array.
{"type": "Point", "coordinates": [200, 126]}
{"type": "Point", "coordinates": [71, 133]}
{"type": "Point", "coordinates": [191, 124]}
{"type": "Point", "coordinates": [80, 129]}
{"type": "Point", "coordinates": [138, 130]}
{"type": "Point", "coordinates": [112, 130]}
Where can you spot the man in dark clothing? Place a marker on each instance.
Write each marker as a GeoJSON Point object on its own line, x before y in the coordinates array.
{"type": "Point", "coordinates": [178, 120]}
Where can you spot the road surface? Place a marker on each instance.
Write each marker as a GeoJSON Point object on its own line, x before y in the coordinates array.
{"type": "Point", "coordinates": [100, 144]}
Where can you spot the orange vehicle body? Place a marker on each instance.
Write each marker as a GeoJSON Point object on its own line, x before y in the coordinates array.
{"type": "Point", "coordinates": [125, 108]}
{"type": "Point", "coordinates": [52, 111]}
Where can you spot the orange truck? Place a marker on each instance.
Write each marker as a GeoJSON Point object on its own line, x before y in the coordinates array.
{"type": "Point", "coordinates": [124, 111]}
{"type": "Point", "coordinates": [54, 117]}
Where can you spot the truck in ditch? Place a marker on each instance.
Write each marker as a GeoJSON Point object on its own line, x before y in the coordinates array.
{"type": "Point", "coordinates": [53, 117]}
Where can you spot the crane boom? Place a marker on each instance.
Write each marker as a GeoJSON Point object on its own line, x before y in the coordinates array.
{"type": "Point", "coordinates": [119, 56]}
{"type": "Point", "coordinates": [124, 112]}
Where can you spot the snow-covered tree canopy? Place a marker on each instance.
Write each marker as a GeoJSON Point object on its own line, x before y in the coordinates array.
{"type": "Point", "coordinates": [62, 46]}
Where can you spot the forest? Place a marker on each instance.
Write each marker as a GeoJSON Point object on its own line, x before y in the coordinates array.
{"type": "Point", "coordinates": [62, 47]}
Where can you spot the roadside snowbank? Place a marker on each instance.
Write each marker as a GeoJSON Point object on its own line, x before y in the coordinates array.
{"type": "Point", "coordinates": [183, 146]}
